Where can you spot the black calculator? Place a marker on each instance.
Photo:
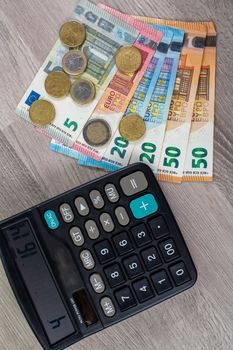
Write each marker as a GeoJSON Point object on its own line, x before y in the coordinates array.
{"type": "Point", "coordinates": [94, 256]}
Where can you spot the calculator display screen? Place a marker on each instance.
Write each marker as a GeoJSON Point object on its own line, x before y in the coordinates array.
{"type": "Point", "coordinates": [38, 280]}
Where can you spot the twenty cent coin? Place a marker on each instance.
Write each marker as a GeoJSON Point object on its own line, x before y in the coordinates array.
{"type": "Point", "coordinates": [72, 34]}
{"type": "Point", "coordinates": [132, 127]}
{"type": "Point", "coordinates": [74, 62]}
{"type": "Point", "coordinates": [57, 84]}
{"type": "Point", "coordinates": [42, 112]}
{"type": "Point", "coordinates": [82, 91]}
{"type": "Point", "coordinates": [97, 132]}
{"type": "Point", "coordinates": [128, 59]}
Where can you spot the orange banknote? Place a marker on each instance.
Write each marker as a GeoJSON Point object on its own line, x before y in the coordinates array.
{"type": "Point", "coordinates": [199, 156]}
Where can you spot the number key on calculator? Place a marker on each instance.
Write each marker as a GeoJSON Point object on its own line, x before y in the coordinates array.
{"type": "Point", "coordinates": [94, 256]}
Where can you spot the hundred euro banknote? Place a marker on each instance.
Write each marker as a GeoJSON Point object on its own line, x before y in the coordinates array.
{"type": "Point", "coordinates": [138, 104]}
{"type": "Point", "coordinates": [115, 99]}
{"type": "Point", "coordinates": [199, 157]}
{"type": "Point", "coordinates": [172, 158]}
{"type": "Point", "coordinates": [105, 34]}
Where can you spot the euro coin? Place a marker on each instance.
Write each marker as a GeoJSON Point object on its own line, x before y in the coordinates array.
{"type": "Point", "coordinates": [74, 62]}
{"type": "Point", "coordinates": [132, 127]}
{"type": "Point", "coordinates": [42, 112]}
{"type": "Point", "coordinates": [72, 34]}
{"type": "Point", "coordinates": [128, 59]}
{"type": "Point", "coordinates": [82, 91]}
{"type": "Point", "coordinates": [97, 132]}
{"type": "Point", "coordinates": [57, 84]}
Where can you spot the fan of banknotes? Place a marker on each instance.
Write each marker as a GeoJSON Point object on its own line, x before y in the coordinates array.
{"type": "Point", "coordinates": [118, 89]}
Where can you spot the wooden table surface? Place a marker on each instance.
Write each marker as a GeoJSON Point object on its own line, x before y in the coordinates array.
{"type": "Point", "coordinates": [200, 318]}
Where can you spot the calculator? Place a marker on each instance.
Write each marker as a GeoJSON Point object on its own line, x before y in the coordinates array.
{"type": "Point", "coordinates": [94, 256]}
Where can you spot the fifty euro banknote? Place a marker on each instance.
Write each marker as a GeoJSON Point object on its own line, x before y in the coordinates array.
{"type": "Point", "coordinates": [105, 34]}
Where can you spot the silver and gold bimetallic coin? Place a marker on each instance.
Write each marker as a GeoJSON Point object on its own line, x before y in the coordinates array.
{"type": "Point", "coordinates": [97, 132]}
{"type": "Point", "coordinates": [72, 34]}
{"type": "Point", "coordinates": [42, 112]}
{"type": "Point", "coordinates": [74, 62]}
{"type": "Point", "coordinates": [82, 91]}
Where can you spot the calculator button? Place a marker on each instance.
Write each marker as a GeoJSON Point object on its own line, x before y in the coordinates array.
{"type": "Point", "coordinates": [151, 258]}
{"type": "Point", "coordinates": [104, 251]}
{"type": "Point", "coordinates": [158, 227]}
{"type": "Point", "coordinates": [106, 222]}
{"type": "Point", "coordinates": [77, 236]}
{"type": "Point", "coordinates": [87, 259]}
{"type": "Point", "coordinates": [122, 243]}
{"type": "Point", "coordinates": [81, 206]}
{"type": "Point", "coordinates": [143, 206]}
{"type": "Point", "coordinates": [51, 219]}
{"type": "Point", "coordinates": [97, 199]}
{"type": "Point", "coordinates": [92, 229]}
{"type": "Point", "coordinates": [97, 283]}
{"type": "Point", "coordinates": [140, 235]}
{"type": "Point", "coordinates": [143, 290]}
{"type": "Point", "coordinates": [179, 273]}
{"type": "Point", "coordinates": [168, 250]}
{"type": "Point", "coordinates": [133, 183]}
{"type": "Point", "coordinates": [161, 281]}
{"type": "Point", "coordinates": [107, 307]}
{"type": "Point", "coordinates": [111, 192]}
{"type": "Point", "coordinates": [125, 298]}
{"type": "Point", "coordinates": [114, 275]}
{"type": "Point", "coordinates": [122, 216]}
{"type": "Point", "coordinates": [133, 266]}
{"type": "Point", "coordinates": [66, 213]}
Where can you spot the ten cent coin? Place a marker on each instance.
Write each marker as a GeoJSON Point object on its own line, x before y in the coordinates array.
{"type": "Point", "coordinates": [42, 112]}
{"type": "Point", "coordinates": [82, 91]}
{"type": "Point", "coordinates": [72, 34]}
{"type": "Point", "coordinates": [74, 62]}
{"type": "Point", "coordinates": [132, 127]}
{"type": "Point", "coordinates": [96, 132]}
{"type": "Point", "coordinates": [57, 84]}
{"type": "Point", "coordinates": [128, 59]}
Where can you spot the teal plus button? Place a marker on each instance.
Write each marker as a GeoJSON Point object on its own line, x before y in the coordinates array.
{"type": "Point", "coordinates": [51, 219]}
{"type": "Point", "coordinates": [143, 206]}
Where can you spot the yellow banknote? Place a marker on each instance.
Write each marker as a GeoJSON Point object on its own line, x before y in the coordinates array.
{"type": "Point", "coordinates": [176, 137]}
{"type": "Point", "coordinates": [199, 156]}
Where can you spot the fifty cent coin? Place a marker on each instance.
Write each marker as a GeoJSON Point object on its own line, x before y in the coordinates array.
{"type": "Point", "coordinates": [128, 59]}
{"type": "Point", "coordinates": [72, 34]}
{"type": "Point", "coordinates": [57, 84]}
{"type": "Point", "coordinates": [97, 132]}
{"type": "Point", "coordinates": [132, 127]}
{"type": "Point", "coordinates": [82, 91]}
{"type": "Point", "coordinates": [74, 62]}
{"type": "Point", "coordinates": [42, 112]}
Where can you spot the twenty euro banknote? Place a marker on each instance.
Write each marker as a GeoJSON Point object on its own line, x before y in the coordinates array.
{"type": "Point", "coordinates": [105, 34]}
{"type": "Point", "coordinates": [172, 158]}
{"type": "Point", "coordinates": [199, 157]}
{"type": "Point", "coordinates": [115, 99]}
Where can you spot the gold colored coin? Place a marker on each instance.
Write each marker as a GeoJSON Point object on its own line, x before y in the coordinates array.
{"type": "Point", "coordinates": [42, 112]}
{"type": "Point", "coordinates": [82, 91]}
{"type": "Point", "coordinates": [57, 84]}
{"type": "Point", "coordinates": [128, 59]}
{"type": "Point", "coordinates": [132, 127]}
{"type": "Point", "coordinates": [72, 34]}
{"type": "Point", "coordinates": [74, 62]}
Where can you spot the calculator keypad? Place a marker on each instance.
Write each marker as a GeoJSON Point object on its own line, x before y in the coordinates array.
{"type": "Point", "coordinates": [124, 244]}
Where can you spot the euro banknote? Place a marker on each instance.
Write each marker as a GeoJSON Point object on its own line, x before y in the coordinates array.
{"type": "Point", "coordinates": [121, 89]}
{"type": "Point", "coordinates": [199, 157]}
{"type": "Point", "coordinates": [105, 34]}
{"type": "Point", "coordinates": [172, 158]}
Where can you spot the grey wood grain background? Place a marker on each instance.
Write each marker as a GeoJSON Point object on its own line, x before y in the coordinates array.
{"type": "Point", "coordinates": [200, 318]}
